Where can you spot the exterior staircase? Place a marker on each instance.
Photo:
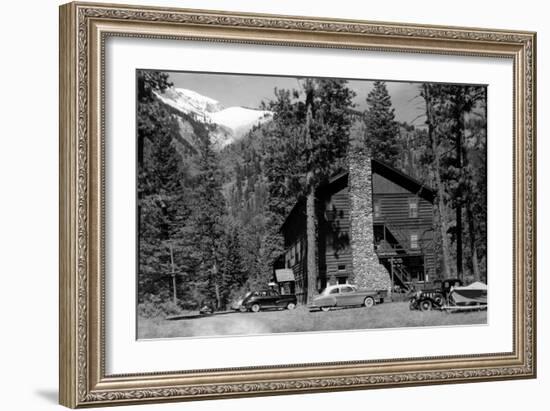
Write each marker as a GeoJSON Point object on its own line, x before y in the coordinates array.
{"type": "Point", "coordinates": [402, 276]}
{"type": "Point", "coordinates": [402, 242]}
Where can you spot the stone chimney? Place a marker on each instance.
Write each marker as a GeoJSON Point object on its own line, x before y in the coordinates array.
{"type": "Point", "coordinates": [367, 270]}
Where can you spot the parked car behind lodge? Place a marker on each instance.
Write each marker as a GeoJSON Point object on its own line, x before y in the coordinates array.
{"type": "Point", "coordinates": [346, 295]}
{"type": "Point", "coordinates": [256, 300]}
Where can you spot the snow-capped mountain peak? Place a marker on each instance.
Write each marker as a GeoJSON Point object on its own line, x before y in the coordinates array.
{"type": "Point", "coordinates": [232, 122]}
{"type": "Point", "coordinates": [239, 119]}
{"type": "Point", "coordinates": [189, 101]}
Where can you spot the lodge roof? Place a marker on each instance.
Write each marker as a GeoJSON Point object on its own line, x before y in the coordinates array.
{"type": "Point", "coordinates": [340, 180]}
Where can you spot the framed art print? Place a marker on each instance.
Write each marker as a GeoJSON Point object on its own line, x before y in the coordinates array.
{"type": "Point", "coordinates": [259, 204]}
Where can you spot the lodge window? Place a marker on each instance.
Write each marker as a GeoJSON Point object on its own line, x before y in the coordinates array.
{"type": "Point", "coordinates": [377, 209]}
{"type": "Point", "coordinates": [342, 267]}
{"type": "Point", "coordinates": [413, 207]}
{"type": "Point", "coordinates": [414, 241]}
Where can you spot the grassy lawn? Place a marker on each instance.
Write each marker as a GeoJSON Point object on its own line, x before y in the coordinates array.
{"type": "Point", "coordinates": [387, 315]}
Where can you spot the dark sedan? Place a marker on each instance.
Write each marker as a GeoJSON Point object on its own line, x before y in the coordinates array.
{"type": "Point", "coordinates": [257, 300]}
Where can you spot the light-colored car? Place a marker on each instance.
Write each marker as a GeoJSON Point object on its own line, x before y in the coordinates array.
{"type": "Point", "coordinates": [346, 295]}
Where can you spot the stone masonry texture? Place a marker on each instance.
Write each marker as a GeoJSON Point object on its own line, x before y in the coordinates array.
{"type": "Point", "coordinates": [367, 271]}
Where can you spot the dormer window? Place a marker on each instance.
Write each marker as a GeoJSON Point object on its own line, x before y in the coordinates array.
{"type": "Point", "coordinates": [413, 207]}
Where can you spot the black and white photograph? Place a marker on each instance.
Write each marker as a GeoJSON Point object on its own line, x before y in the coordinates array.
{"type": "Point", "coordinates": [271, 204]}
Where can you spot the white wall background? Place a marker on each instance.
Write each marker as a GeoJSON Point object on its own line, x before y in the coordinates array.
{"type": "Point", "coordinates": [29, 190]}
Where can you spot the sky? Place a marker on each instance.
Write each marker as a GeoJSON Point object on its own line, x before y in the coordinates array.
{"type": "Point", "coordinates": [250, 90]}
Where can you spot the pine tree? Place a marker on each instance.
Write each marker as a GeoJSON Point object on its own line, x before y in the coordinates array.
{"type": "Point", "coordinates": [308, 144]}
{"type": "Point", "coordinates": [312, 249]}
{"type": "Point", "coordinates": [150, 113]}
{"type": "Point", "coordinates": [460, 184]}
{"type": "Point", "coordinates": [162, 209]}
{"type": "Point", "coordinates": [208, 221]}
{"type": "Point", "coordinates": [326, 140]}
{"type": "Point", "coordinates": [234, 270]}
{"type": "Point", "coordinates": [463, 101]}
{"type": "Point", "coordinates": [475, 178]}
{"type": "Point", "coordinates": [283, 162]}
{"type": "Point", "coordinates": [433, 97]}
{"type": "Point", "coordinates": [381, 128]}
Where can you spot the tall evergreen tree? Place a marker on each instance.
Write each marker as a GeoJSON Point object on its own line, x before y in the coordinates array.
{"type": "Point", "coordinates": [475, 177]}
{"type": "Point", "coordinates": [150, 112]}
{"type": "Point", "coordinates": [381, 128]}
{"type": "Point", "coordinates": [327, 128]}
{"type": "Point", "coordinates": [432, 97]}
{"type": "Point", "coordinates": [283, 169]}
{"type": "Point", "coordinates": [463, 99]}
{"type": "Point", "coordinates": [162, 208]}
{"type": "Point", "coordinates": [448, 108]}
{"type": "Point", "coordinates": [311, 139]}
{"type": "Point", "coordinates": [233, 268]}
{"type": "Point", "coordinates": [208, 221]}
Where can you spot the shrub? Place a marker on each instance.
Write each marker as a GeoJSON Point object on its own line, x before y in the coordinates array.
{"type": "Point", "coordinates": [156, 306]}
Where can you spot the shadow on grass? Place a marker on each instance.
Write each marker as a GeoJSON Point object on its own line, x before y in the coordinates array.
{"type": "Point", "coordinates": [193, 316]}
{"type": "Point", "coordinates": [214, 314]}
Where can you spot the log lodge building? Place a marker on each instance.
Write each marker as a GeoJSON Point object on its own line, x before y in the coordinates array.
{"type": "Point", "coordinates": [402, 232]}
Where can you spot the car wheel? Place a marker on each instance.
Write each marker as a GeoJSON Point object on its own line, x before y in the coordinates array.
{"type": "Point", "coordinates": [255, 308]}
{"type": "Point", "coordinates": [325, 309]}
{"type": "Point", "coordinates": [412, 305]}
{"type": "Point", "coordinates": [242, 309]}
{"type": "Point", "coordinates": [291, 306]}
{"type": "Point", "coordinates": [426, 305]}
{"type": "Point", "coordinates": [369, 302]}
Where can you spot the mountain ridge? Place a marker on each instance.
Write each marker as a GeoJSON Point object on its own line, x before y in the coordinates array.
{"type": "Point", "coordinates": [231, 123]}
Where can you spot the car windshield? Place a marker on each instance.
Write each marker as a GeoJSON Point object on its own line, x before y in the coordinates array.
{"type": "Point", "coordinates": [328, 291]}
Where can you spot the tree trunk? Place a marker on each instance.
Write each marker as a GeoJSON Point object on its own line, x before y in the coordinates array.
{"type": "Point", "coordinates": [218, 296]}
{"type": "Point", "coordinates": [459, 265]}
{"type": "Point", "coordinates": [311, 215]}
{"type": "Point", "coordinates": [473, 249]}
{"type": "Point", "coordinates": [442, 211]}
{"type": "Point", "coordinates": [312, 263]}
{"type": "Point", "coordinates": [217, 287]}
{"type": "Point", "coordinates": [444, 226]}
{"type": "Point", "coordinates": [459, 130]}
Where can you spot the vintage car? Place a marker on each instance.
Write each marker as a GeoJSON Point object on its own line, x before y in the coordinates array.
{"type": "Point", "coordinates": [257, 300]}
{"type": "Point", "coordinates": [435, 296]}
{"type": "Point", "coordinates": [346, 295]}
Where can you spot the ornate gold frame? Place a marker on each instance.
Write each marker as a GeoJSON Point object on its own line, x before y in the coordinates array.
{"type": "Point", "coordinates": [83, 30]}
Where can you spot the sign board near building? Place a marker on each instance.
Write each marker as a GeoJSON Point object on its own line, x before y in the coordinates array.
{"type": "Point", "coordinates": [284, 274]}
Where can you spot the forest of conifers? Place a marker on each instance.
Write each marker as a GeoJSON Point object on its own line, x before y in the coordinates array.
{"type": "Point", "coordinates": [209, 220]}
